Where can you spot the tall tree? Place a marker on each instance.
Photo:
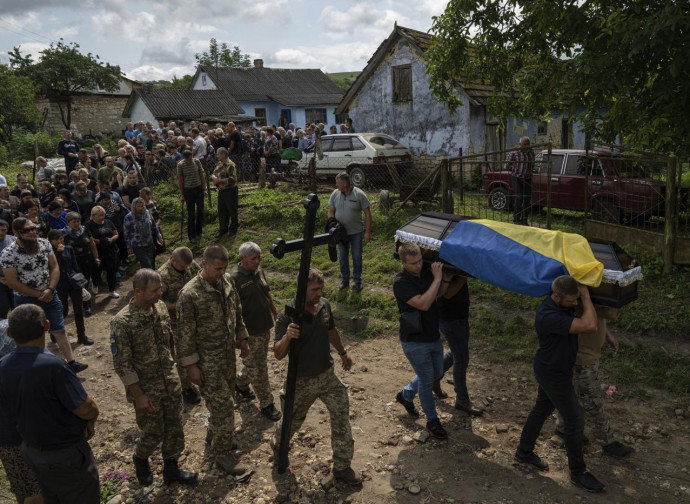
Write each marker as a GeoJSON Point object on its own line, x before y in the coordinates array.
{"type": "Point", "coordinates": [620, 67]}
{"type": "Point", "coordinates": [17, 105]}
{"type": "Point", "coordinates": [222, 56]}
{"type": "Point", "coordinates": [63, 72]}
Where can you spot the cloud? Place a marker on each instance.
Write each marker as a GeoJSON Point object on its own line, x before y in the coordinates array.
{"type": "Point", "coordinates": [68, 33]}
{"type": "Point", "coordinates": [153, 73]}
{"type": "Point", "coordinates": [179, 53]}
{"type": "Point", "coordinates": [352, 56]}
{"type": "Point", "coordinates": [361, 20]}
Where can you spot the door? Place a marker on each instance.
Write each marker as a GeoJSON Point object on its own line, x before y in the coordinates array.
{"type": "Point", "coordinates": [341, 154]}
{"type": "Point", "coordinates": [285, 117]}
{"type": "Point", "coordinates": [539, 177]}
{"type": "Point", "coordinates": [569, 192]}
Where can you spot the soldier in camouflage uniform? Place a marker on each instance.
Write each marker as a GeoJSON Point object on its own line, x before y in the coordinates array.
{"type": "Point", "coordinates": [175, 273]}
{"type": "Point", "coordinates": [139, 337]}
{"type": "Point", "coordinates": [588, 385]}
{"type": "Point", "coordinates": [225, 179]}
{"type": "Point", "coordinates": [210, 327]}
{"type": "Point", "coordinates": [316, 377]}
{"type": "Point", "coordinates": [258, 313]}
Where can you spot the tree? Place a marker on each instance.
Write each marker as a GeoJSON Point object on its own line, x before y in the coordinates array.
{"type": "Point", "coordinates": [17, 103]}
{"type": "Point", "coordinates": [222, 56]}
{"type": "Point", "coordinates": [621, 68]}
{"type": "Point", "coordinates": [63, 72]}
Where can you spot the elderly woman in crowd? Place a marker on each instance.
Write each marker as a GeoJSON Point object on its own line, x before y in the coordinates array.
{"type": "Point", "coordinates": [79, 238]}
{"type": "Point", "coordinates": [68, 204]}
{"type": "Point", "coordinates": [116, 213]}
{"type": "Point", "coordinates": [65, 288]}
{"type": "Point", "coordinates": [33, 213]}
{"type": "Point", "coordinates": [105, 237]}
{"type": "Point", "coordinates": [56, 215]}
{"type": "Point", "coordinates": [84, 198]}
{"type": "Point", "coordinates": [141, 234]}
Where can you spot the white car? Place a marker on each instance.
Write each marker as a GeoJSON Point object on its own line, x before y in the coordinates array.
{"type": "Point", "coordinates": [364, 156]}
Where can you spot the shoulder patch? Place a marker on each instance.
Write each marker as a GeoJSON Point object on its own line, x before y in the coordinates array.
{"type": "Point", "coordinates": [113, 345]}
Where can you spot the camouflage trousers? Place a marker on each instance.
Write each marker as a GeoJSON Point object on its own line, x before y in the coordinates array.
{"type": "Point", "coordinates": [587, 385]}
{"type": "Point", "coordinates": [162, 428]}
{"type": "Point", "coordinates": [181, 371]}
{"type": "Point", "coordinates": [327, 387]}
{"type": "Point", "coordinates": [218, 391]}
{"type": "Point", "coordinates": [255, 369]}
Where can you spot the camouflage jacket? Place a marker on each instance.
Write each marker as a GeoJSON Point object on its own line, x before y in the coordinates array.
{"type": "Point", "coordinates": [209, 320]}
{"type": "Point", "coordinates": [172, 280]}
{"type": "Point", "coordinates": [140, 344]}
{"type": "Point", "coordinates": [226, 171]}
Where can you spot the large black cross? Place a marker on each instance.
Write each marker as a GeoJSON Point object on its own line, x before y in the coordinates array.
{"type": "Point", "coordinates": [279, 248]}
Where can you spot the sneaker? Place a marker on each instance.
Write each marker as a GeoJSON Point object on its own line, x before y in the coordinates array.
{"type": "Point", "coordinates": [191, 396]}
{"type": "Point", "coordinates": [77, 367]}
{"type": "Point", "coordinates": [118, 275]}
{"type": "Point", "coordinates": [618, 450]}
{"type": "Point", "coordinates": [245, 393]}
{"type": "Point", "coordinates": [84, 340]}
{"type": "Point", "coordinates": [348, 476]}
{"type": "Point", "coordinates": [585, 439]}
{"type": "Point", "coordinates": [114, 294]}
{"type": "Point", "coordinates": [532, 459]}
{"type": "Point", "coordinates": [344, 284]}
{"type": "Point", "coordinates": [587, 481]}
{"type": "Point", "coordinates": [230, 465]}
{"type": "Point", "coordinates": [271, 413]}
{"type": "Point", "coordinates": [434, 426]}
{"type": "Point", "coordinates": [408, 405]}
{"type": "Point", "coordinates": [357, 287]}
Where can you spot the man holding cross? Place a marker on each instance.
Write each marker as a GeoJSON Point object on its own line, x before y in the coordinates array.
{"type": "Point", "coordinates": [316, 377]}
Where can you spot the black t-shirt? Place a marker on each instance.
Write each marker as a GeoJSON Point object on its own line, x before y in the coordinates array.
{"type": "Point", "coordinates": [557, 350]}
{"type": "Point", "coordinates": [131, 192]}
{"type": "Point", "coordinates": [415, 325]}
{"type": "Point", "coordinates": [100, 232]}
{"type": "Point", "coordinates": [237, 146]}
{"type": "Point", "coordinates": [457, 307]}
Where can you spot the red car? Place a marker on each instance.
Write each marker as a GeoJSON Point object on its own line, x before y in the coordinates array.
{"type": "Point", "coordinates": [617, 188]}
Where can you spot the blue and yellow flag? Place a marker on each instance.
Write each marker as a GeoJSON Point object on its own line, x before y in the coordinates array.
{"type": "Point", "coordinates": [520, 258]}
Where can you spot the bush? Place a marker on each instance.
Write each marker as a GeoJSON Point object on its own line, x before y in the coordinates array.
{"type": "Point", "coordinates": [21, 147]}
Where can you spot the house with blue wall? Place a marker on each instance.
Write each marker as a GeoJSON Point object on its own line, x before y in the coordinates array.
{"type": "Point", "coordinates": [277, 96]}
{"type": "Point", "coordinates": [392, 95]}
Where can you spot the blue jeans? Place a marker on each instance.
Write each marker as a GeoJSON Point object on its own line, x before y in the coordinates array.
{"type": "Point", "coordinates": [457, 334]}
{"type": "Point", "coordinates": [523, 193]}
{"type": "Point", "coordinates": [427, 361]}
{"type": "Point", "coordinates": [355, 244]}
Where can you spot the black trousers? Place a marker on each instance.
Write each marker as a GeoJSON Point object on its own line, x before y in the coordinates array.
{"type": "Point", "coordinates": [558, 395]}
{"type": "Point", "coordinates": [65, 475]}
{"type": "Point", "coordinates": [6, 300]}
{"type": "Point", "coordinates": [227, 210]}
{"type": "Point", "coordinates": [194, 199]}
{"type": "Point", "coordinates": [86, 264]}
{"type": "Point", "coordinates": [77, 305]}
{"type": "Point", "coordinates": [109, 264]}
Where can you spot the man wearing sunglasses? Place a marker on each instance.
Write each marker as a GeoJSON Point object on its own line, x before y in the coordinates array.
{"type": "Point", "coordinates": [31, 270]}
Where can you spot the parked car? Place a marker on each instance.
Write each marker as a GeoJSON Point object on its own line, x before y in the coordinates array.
{"type": "Point", "coordinates": [613, 188]}
{"type": "Point", "coordinates": [363, 156]}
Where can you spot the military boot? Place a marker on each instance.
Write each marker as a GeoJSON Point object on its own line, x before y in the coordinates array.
{"type": "Point", "coordinates": [143, 470]}
{"type": "Point", "coordinates": [172, 473]}
{"type": "Point", "coordinates": [230, 465]}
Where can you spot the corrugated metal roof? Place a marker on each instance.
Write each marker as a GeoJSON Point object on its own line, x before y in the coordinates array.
{"type": "Point", "coordinates": [189, 104]}
{"type": "Point", "coordinates": [296, 87]}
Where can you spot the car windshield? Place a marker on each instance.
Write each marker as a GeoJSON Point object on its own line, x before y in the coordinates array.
{"type": "Point", "coordinates": [384, 142]}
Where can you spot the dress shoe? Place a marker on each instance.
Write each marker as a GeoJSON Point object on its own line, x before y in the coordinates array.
{"type": "Point", "coordinates": [587, 481]}
{"type": "Point", "coordinates": [77, 367]}
{"type": "Point", "coordinates": [344, 284]}
{"type": "Point", "coordinates": [348, 476]}
{"type": "Point", "coordinates": [172, 473]}
{"type": "Point", "coordinates": [468, 408]}
{"type": "Point", "coordinates": [271, 413]}
{"type": "Point", "coordinates": [408, 405]}
{"type": "Point", "coordinates": [438, 391]}
{"type": "Point", "coordinates": [191, 396]}
{"type": "Point", "coordinates": [84, 340]}
{"type": "Point", "coordinates": [143, 470]}
{"type": "Point", "coordinates": [357, 287]}
{"type": "Point", "coordinates": [532, 459]}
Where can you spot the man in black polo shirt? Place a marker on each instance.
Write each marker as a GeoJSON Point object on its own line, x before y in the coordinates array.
{"type": "Point", "coordinates": [557, 328]}
{"type": "Point", "coordinates": [416, 290]}
{"type": "Point", "coordinates": [53, 414]}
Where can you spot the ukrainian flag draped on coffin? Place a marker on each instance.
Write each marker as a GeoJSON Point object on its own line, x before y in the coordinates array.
{"type": "Point", "coordinates": [520, 258]}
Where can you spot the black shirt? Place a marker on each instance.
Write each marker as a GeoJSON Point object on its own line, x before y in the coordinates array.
{"type": "Point", "coordinates": [38, 392]}
{"type": "Point", "coordinates": [557, 350]}
{"type": "Point", "coordinates": [237, 146]}
{"type": "Point", "coordinates": [256, 302]}
{"type": "Point", "coordinates": [457, 307]}
{"type": "Point", "coordinates": [415, 325]}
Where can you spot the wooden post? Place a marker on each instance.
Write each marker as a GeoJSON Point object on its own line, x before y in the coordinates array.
{"type": "Point", "coordinates": [446, 187]}
{"type": "Point", "coordinates": [312, 174]}
{"type": "Point", "coordinates": [262, 172]}
{"type": "Point", "coordinates": [462, 177]}
{"type": "Point", "coordinates": [669, 215]}
{"type": "Point", "coordinates": [548, 189]}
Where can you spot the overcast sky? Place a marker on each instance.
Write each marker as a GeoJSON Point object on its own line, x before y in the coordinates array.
{"type": "Point", "coordinates": [158, 39]}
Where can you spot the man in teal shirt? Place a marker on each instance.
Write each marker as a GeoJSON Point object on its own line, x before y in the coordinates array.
{"type": "Point", "coordinates": [346, 205]}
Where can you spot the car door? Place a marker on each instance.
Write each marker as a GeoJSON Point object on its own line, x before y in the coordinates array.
{"type": "Point", "coordinates": [540, 174]}
{"type": "Point", "coordinates": [569, 191]}
{"type": "Point", "coordinates": [340, 155]}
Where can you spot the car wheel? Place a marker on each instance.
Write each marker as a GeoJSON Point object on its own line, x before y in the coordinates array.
{"type": "Point", "coordinates": [357, 177]}
{"type": "Point", "coordinates": [606, 211]}
{"type": "Point", "coordinates": [499, 198]}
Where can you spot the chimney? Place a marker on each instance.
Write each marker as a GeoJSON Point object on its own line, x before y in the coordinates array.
{"type": "Point", "coordinates": [258, 63]}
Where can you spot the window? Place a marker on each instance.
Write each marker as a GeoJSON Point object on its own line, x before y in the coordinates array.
{"type": "Point", "coordinates": [340, 119]}
{"type": "Point", "coordinates": [315, 115]}
{"type": "Point", "coordinates": [341, 144]}
{"type": "Point", "coordinates": [260, 114]}
{"type": "Point", "coordinates": [402, 84]}
{"type": "Point", "coordinates": [556, 163]}
{"type": "Point", "coordinates": [203, 80]}
{"type": "Point", "coordinates": [542, 128]}
{"type": "Point", "coordinates": [325, 145]}
{"type": "Point", "coordinates": [575, 165]}
{"type": "Point", "coordinates": [357, 144]}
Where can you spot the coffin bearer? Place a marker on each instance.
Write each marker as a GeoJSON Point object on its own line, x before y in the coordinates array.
{"type": "Point", "coordinates": [558, 328]}
{"type": "Point", "coordinates": [210, 327]}
{"type": "Point", "coordinates": [259, 314]}
{"type": "Point", "coordinates": [316, 377]}
{"type": "Point", "coordinates": [588, 385]}
{"type": "Point", "coordinates": [346, 205]}
{"type": "Point", "coordinates": [225, 179]}
{"type": "Point", "coordinates": [175, 273]}
{"type": "Point", "coordinates": [140, 342]}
